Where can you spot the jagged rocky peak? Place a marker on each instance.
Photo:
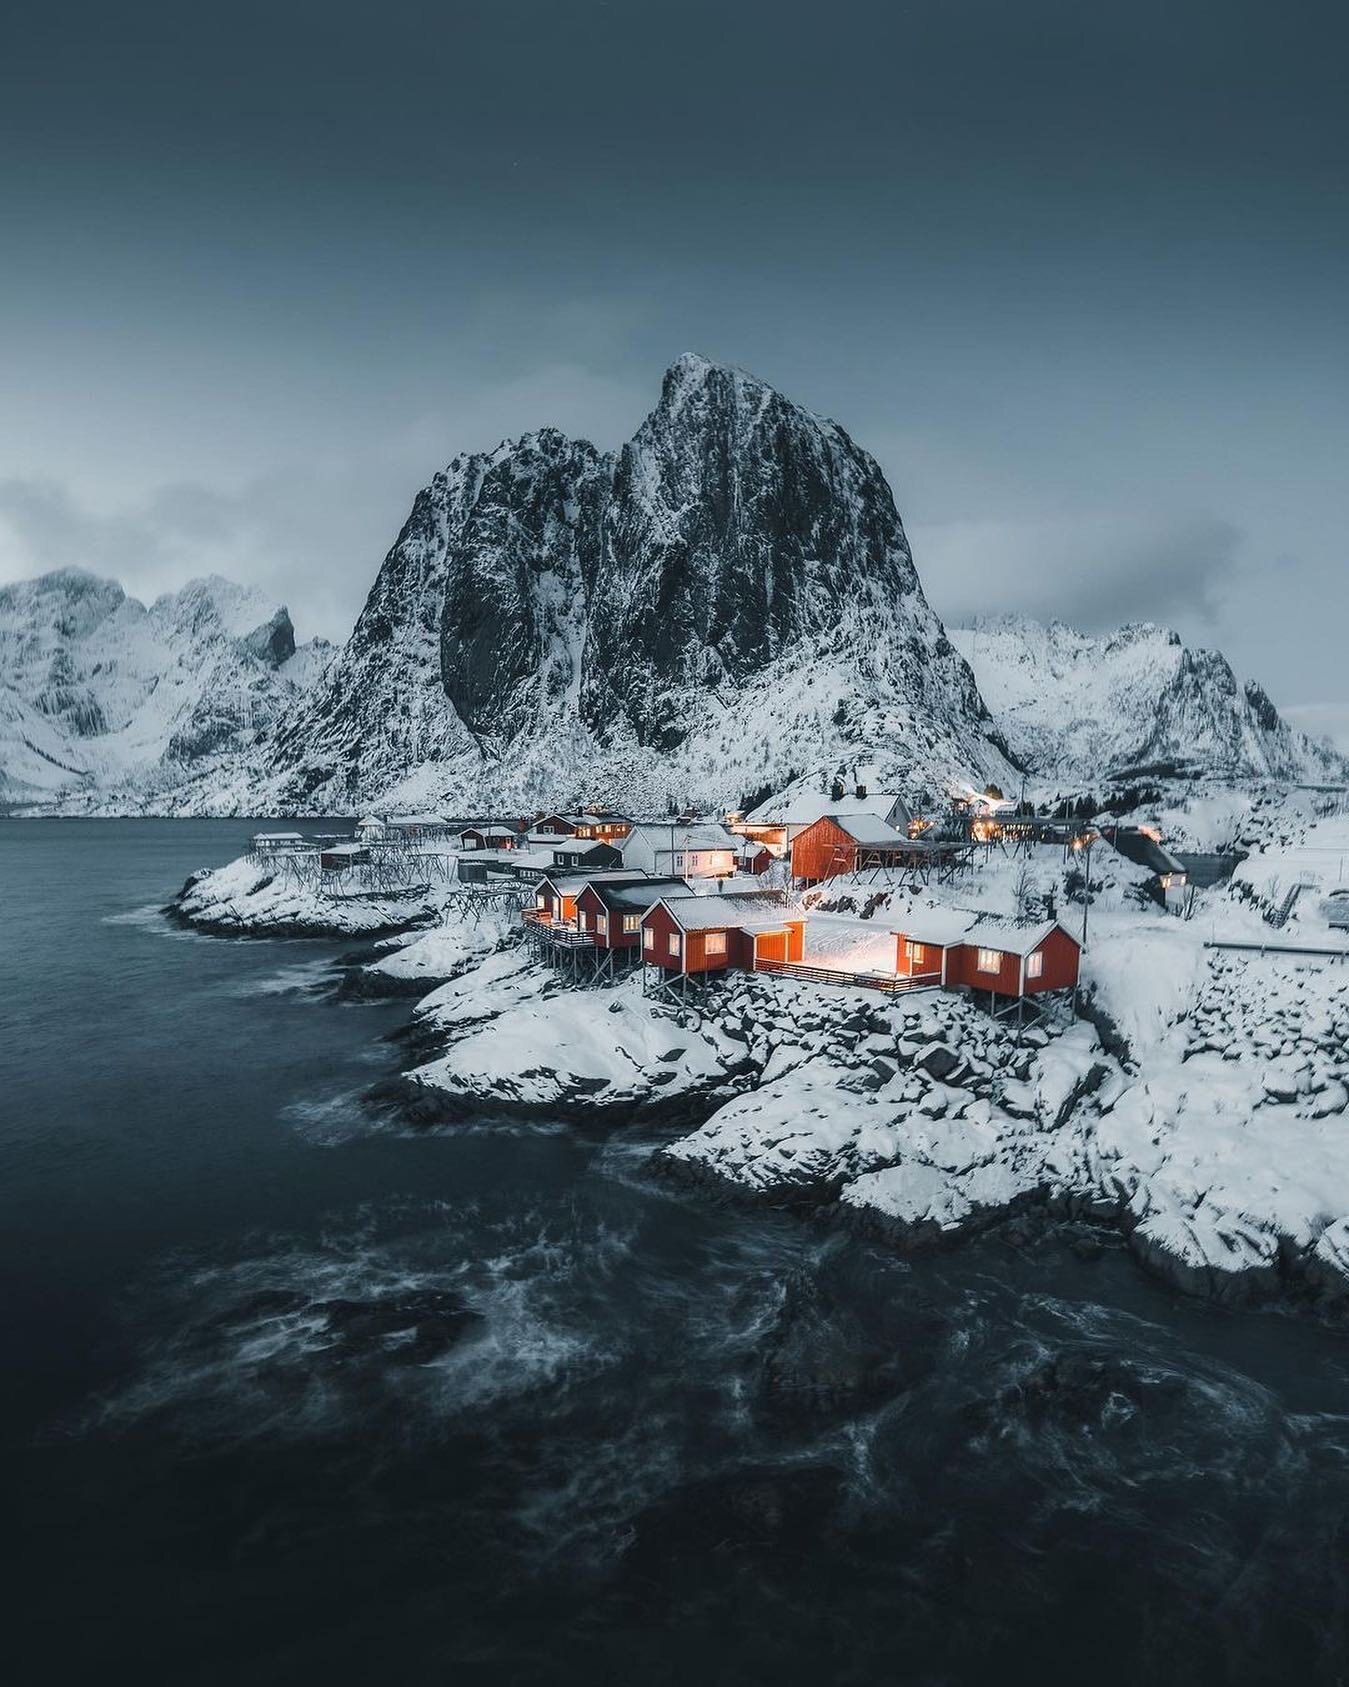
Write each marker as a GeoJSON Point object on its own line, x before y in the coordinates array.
{"type": "Point", "coordinates": [740, 524]}
{"type": "Point", "coordinates": [110, 702]}
{"type": "Point", "coordinates": [727, 600]}
{"type": "Point", "coordinates": [1080, 707]}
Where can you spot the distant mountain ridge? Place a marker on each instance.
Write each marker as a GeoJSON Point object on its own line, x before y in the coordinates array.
{"type": "Point", "coordinates": [1080, 708]}
{"type": "Point", "coordinates": [102, 697]}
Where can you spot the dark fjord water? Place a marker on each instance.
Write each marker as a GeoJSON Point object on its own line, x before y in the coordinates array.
{"type": "Point", "coordinates": [1024, 1463]}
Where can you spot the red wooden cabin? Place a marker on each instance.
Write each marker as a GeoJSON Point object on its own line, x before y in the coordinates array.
{"type": "Point", "coordinates": [698, 934]}
{"type": "Point", "coordinates": [840, 843]}
{"type": "Point", "coordinates": [1008, 960]}
{"type": "Point", "coordinates": [488, 837]}
{"type": "Point", "coordinates": [609, 911]}
{"type": "Point", "coordinates": [602, 826]}
{"type": "Point", "coordinates": [556, 894]}
{"type": "Point", "coordinates": [928, 943]}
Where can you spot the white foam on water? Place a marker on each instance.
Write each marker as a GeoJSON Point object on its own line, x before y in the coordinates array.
{"type": "Point", "coordinates": [304, 978]}
{"type": "Point", "coordinates": [254, 1355]}
{"type": "Point", "coordinates": [327, 1121]}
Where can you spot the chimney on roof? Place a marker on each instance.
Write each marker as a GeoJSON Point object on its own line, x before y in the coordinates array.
{"type": "Point", "coordinates": [836, 791]}
{"type": "Point", "coordinates": [861, 791]}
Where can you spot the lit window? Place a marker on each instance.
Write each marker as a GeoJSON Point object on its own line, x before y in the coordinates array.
{"type": "Point", "coordinates": [916, 956]}
{"type": "Point", "coordinates": [583, 921]}
{"type": "Point", "coordinates": [990, 960]}
{"type": "Point", "coordinates": [674, 942]}
{"type": "Point", "coordinates": [1035, 964]}
{"type": "Point", "coordinates": [714, 943]}
{"type": "Point", "coordinates": [540, 901]}
{"type": "Point", "coordinates": [602, 925]}
{"type": "Point", "coordinates": [649, 938]}
{"type": "Point", "coordinates": [631, 923]}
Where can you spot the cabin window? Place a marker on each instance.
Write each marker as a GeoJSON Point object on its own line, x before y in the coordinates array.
{"type": "Point", "coordinates": [540, 901]}
{"type": "Point", "coordinates": [583, 921]}
{"type": "Point", "coordinates": [602, 925]}
{"type": "Point", "coordinates": [631, 923]}
{"type": "Point", "coordinates": [916, 955]}
{"type": "Point", "coordinates": [1035, 964]}
{"type": "Point", "coordinates": [990, 960]}
{"type": "Point", "coordinates": [649, 938]}
{"type": "Point", "coordinates": [674, 942]}
{"type": "Point", "coordinates": [714, 943]}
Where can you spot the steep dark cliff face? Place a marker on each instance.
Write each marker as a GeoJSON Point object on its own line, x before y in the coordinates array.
{"type": "Point", "coordinates": [381, 708]}
{"type": "Point", "coordinates": [740, 526]}
{"type": "Point", "coordinates": [519, 575]}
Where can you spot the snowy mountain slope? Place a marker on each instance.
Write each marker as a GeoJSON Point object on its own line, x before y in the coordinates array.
{"type": "Point", "coordinates": [730, 601]}
{"type": "Point", "coordinates": [1075, 708]}
{"type": "Point", "coordinates": [103, 700]}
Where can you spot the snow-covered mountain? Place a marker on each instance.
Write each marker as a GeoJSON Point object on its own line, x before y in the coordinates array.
{"type": "Point", "coordinates": [105, 702]}
{"type": "Point", "coordinates": [727, 602]}
{"type": "Point", "coordinates": [1076, 708]}
{"type": "Point", "coordinates": [725, 606]}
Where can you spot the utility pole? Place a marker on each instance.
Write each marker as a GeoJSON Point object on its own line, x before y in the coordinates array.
{"type": "Point", "coordinates": [1079, 843]}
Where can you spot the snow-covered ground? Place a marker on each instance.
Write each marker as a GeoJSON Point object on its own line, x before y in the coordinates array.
{"type": "Point", "coordinates": [1201, 1105]}
{"type": "Point", "coordinates": [247, 896]}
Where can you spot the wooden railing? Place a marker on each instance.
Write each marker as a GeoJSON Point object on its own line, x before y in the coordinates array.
{"type": "Point", "coordinates": [555, 932]}
{"type": "Point", "coordinates": [892, 984]}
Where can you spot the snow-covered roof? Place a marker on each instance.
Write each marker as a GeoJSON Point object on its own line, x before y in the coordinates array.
{"type": "Point", "coordinates": [572, 884]}
{"type": "Point", "coordinates": [1010, 939]}
{"type": "Point", "coordinates": [740, 884]}
{"type": "Point", "coordinates": [940, 927]}
{"type": "Point", "coordinates": [344, 849]}
{"type": "Point", "coordinates": [280, 837]}
{"type": "Point", "coordinates": [641, 893]}
{"type": "Point", "coordinates": [489, 829]}
{"type": "Point", "coordinates": [601, 817]}
{"type": "Point", "coordinates": [519, 857]}
{"type": "Point", "coordinates": [868, 829]}
{"type": "Point", "coordinates": [805, 807]}
{"type": "Point", "coordinates": [580, 846]}
{"type": "Point", "coordinates": [701, 835]}
{"type": "Point", "coordinates": [367, 823]}
{"type": "Point", "coordinates": [718, 913]}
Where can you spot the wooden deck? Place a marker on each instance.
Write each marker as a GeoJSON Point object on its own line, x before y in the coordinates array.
{"type": "Point", "coordinates": [891, 984]}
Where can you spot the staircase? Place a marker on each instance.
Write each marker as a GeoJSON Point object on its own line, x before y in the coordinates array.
{"type": "Point", "coordinates": [1279, 918]}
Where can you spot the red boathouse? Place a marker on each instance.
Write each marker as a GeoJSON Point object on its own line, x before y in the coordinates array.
{"type": "Point", "coordinates": [699, 934]}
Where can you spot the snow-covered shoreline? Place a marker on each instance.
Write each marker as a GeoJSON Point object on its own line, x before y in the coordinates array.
{"type": "Point", "coordinates": [1198, 1106]}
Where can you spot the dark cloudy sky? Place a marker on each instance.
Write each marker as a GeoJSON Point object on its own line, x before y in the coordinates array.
{"type": "Point", "coordinates": [1076, 274]}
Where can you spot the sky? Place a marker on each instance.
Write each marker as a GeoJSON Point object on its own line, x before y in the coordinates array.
{"type": "Point", "coordinates": [1075, 275]}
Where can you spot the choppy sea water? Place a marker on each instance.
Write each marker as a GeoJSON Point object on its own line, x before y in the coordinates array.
{"type": "Point", "coordinates": [296, 1395]}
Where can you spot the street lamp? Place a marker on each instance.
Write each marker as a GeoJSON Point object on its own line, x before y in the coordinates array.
{"type": "Point", "coordinates": [1083, 842]}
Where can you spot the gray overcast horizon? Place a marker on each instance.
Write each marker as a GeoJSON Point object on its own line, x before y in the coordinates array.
{"type": "Point", "coordinates": [1074, 275]}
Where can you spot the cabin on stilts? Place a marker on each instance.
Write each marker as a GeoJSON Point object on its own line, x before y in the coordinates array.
{"type": "Point", "coordinates": [1009, 964]}
{"type": "Point", "coordinates": [862, 843]}
{"type": "Point", "coordinates": [687, 940]}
